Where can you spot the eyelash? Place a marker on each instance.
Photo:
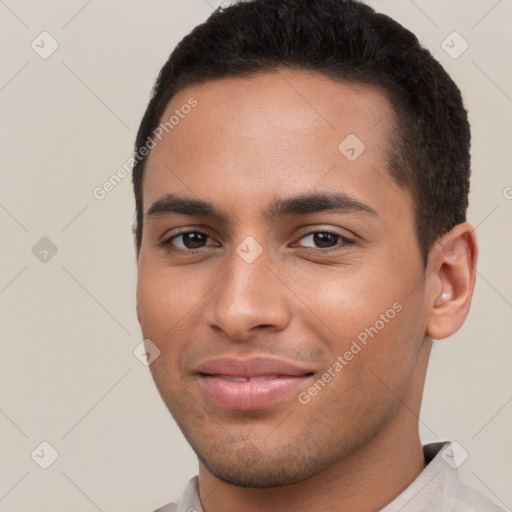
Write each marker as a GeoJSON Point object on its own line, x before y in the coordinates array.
{"type": "Point", "coordinates": [347, 242]}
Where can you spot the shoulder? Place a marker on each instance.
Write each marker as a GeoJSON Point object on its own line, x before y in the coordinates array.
{"type": "Point", "coordinates": [170, 507]}
{"type": "Point", "coordinates": [468, 499]}
{"type": "Point", "coordinates": [189, 501]}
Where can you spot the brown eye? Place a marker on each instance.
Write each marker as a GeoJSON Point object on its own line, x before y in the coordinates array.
{"type": "Point", "coordinates": [194, 240]}
{"type": "Point", "coordinates": [188, 240]}
{"type": "Point", "coordinates": [325, 240]}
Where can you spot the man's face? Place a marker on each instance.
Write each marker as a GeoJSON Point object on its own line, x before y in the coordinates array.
{"type": "Point", "coordinates": [253, 308]}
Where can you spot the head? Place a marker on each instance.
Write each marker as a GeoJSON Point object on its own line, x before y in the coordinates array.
{"type": "Point", "coordinates": [301, 181]}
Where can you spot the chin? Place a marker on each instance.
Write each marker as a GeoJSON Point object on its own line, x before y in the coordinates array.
{"type": "Point", "coordinates": [248, 466]}
{"type": "Point", "coordinates": [258, 476]}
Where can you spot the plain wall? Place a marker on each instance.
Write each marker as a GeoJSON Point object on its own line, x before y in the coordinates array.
{"type": "Point", "coordinates": [68, 324]}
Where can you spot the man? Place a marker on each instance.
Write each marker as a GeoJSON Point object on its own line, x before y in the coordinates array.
{"type": "Point", "coordinates": [301, 183]}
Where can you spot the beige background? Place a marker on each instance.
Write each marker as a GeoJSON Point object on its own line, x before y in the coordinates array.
{"type": "Point", "coordinates": [68, 373]}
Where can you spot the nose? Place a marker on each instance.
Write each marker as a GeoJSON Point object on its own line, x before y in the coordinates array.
{"type": "Point", "coordinates": [248, 299]}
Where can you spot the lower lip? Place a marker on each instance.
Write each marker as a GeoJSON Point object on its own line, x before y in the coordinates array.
{"type": "Point", "coordinates": [249, 395]}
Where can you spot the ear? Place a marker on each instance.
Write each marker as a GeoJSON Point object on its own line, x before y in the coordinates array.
{"type": "Point", "coordinates": [451, 274]}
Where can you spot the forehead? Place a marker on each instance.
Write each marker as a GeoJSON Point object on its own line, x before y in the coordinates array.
{"type": "Point", "coordinates": [286, 130]}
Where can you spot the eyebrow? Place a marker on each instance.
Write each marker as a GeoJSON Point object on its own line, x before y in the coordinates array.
{"type": "Point", "coordinates": [303, 204]}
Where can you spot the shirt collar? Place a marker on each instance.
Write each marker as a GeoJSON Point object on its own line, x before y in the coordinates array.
{"type": "Point", "coordinates": [434, 487]}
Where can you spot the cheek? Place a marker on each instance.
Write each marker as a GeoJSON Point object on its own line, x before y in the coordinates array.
{"type": "Point", "coordinates": [371, 319]}
{"type": "Point", "coordinates": [347, 300]}
{"type": "Point", "coordinates": [373, 365]}
{"type": "Point", "coordinates": [163, 300]}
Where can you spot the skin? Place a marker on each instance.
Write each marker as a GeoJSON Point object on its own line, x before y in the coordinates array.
{"type": "Point", "coordinates": [247, 142]}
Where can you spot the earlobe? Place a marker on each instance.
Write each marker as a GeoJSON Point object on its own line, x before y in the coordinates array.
{"type": "Point", "coordinates": [452, 273]}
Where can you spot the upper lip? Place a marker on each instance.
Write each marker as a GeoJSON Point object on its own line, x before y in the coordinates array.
{"type": "Point", "coordinates": [257, 366]}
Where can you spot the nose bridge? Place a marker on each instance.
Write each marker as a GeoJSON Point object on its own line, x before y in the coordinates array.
{"type": "Point", "coordinates": [249, 295]}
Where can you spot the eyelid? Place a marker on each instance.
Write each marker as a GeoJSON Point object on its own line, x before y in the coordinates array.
{"type": "Point", "coordinates": [333, 230]}
{"type": "Point", "coordinates": [174, 232]}
{"type": "Point", "coordinates": [346, 241]}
